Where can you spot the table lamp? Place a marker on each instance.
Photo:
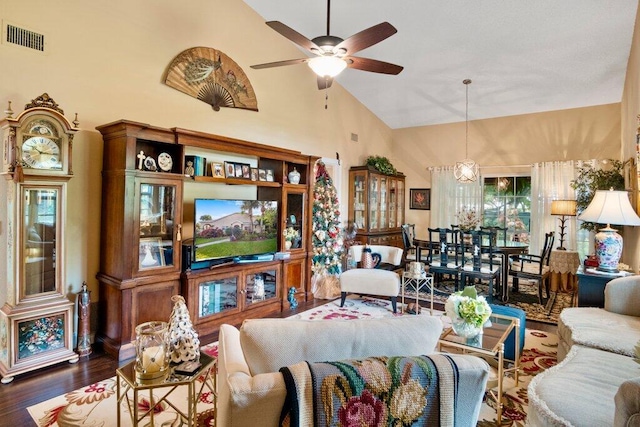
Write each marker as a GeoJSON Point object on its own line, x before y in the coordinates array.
{"type": "Point", "coordinates": [609, 207]}
{"type": "Point", "coordinates": [563, 208]}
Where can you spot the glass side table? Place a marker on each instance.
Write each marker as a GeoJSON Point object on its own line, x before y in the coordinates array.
{"type": "Point", "coordinates": [126, 384]}
{"type": "Point", "coordinates": [417, 283]}
{"type": "Point", "coordinates": [489, 343]}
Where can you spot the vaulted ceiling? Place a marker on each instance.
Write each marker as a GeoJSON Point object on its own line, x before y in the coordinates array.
{"type": "Point", "coordinates": [523, 56]}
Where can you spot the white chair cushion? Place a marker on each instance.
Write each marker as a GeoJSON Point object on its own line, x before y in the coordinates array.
{"type": "Point", "coordinates": [370, 281]}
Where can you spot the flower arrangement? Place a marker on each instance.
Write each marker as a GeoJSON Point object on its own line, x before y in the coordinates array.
{"type": "Point", "coordinates": [468, 218]}
{"type": "Point", "coordinates": [290, 234]}
{"type": "Point", "coordinates": [467, 306]}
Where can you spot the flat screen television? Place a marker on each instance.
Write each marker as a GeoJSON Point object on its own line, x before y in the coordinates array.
{"type": "Point", "coordinates": [234, 228]}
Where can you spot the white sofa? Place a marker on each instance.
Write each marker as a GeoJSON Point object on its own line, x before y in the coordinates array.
{"type": "Point", "coordinates": [251, 390]}
{"type": "Point", "coordinates": [596, 382]}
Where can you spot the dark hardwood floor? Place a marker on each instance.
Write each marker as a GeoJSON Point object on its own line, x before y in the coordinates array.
{"type": "Point", "coordinates": [37, 386]}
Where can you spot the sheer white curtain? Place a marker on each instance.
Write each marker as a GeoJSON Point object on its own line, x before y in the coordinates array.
{"type": "Point", "coordinates": [448, 196]}
{"type": "Point", "coordinates": [551, 181]}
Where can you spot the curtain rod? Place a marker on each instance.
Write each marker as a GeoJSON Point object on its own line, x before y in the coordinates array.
{"type": "Point", "coordinates": [430, 168]}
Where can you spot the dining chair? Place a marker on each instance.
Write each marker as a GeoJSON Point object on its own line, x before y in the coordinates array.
{"type": "Point", "coordinates": [480, 261]}
{"type": "Point", "coordinates": [411, 252]}
{"type": "Point", "coordinates": [500, 236]}
{"type": "Point", "coordinates": [533, 267]}
{"type": "Point", "coordinates": [444, 254]}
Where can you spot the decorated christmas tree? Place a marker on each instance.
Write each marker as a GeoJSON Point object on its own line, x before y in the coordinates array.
{"type": "Point", "coordinates": [184, 344]}
{"type": "Point", "coordinates": [327, 236]}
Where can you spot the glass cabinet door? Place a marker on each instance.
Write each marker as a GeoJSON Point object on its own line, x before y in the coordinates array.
{"type": "Point", "coordinates": [374, 202]}
{"type": "Point", "coordinates": [295, 212]}
{"type": "Point", "coordinates": [383, 202]}
{"type": "Point", "coordinates": [217, 295]}
{"type": "Point", "coordinates": [400, 203]}
{"type": "Point", "coordinates": [393, 201]}
{"type": "Point", "coordinates": [41, 210]}
{"type": "Point", "coordinates": [158, 223]}
{"type": "Point", "coordinates": [359, 200]}
{"type": "Point", "coordinates": [260, 286]}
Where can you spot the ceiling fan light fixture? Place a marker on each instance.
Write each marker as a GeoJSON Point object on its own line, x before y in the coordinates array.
{"type": "Point", "coordinates": [327, 66]}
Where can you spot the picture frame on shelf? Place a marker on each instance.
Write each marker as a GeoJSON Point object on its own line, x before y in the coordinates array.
{"type": "Point", "coordinates": [229, 169]}
{"type": "Point", "coordinates": [238, 167]}
{"type": "Point", "coordinates": [150, 253]}
{"type": "Point", "coordinates": [217, 170]}
{"type": "Point", "coordinates": [254, 174]}
{"type": "Point", "coordinates": [420, 198]}
{"type": "Point", "coordinates": [246, 171]}
{"type": "Point", "coordinates": [262, 174]}
{"type": "Point", "coordinates": [269, 175]}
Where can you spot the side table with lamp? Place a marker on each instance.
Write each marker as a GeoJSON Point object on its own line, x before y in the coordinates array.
{"type": "Point", "coordinates": [609, 207]}
{"type": "Point", "coordinates": [606, 207]}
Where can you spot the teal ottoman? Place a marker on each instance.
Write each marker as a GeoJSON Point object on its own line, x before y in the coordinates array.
{"type": "Point", "coordinates": [509, 344]}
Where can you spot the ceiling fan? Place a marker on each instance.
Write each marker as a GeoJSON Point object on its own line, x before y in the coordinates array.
{"type": "Point", "coordinates": [333, 54]}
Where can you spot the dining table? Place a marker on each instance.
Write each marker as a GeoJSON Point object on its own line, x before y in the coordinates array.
{"type": "Point", "coordinates": [505, 249]}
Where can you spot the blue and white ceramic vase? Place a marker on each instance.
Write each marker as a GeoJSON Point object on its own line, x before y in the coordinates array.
{"type": "Point", "coordinates": [294, 176]}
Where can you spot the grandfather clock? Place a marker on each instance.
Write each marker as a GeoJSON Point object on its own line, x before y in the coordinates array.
{"type": "Point", "coordinates": [36, 318]}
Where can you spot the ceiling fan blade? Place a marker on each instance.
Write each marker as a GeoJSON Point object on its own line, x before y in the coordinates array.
{"type": "Point", "coordinates": [324, 82]}
{"type": "Point", "coordinates": [372, 65]}
{"type": "Point", "coordinates": [280, 63]}
{"type": "Point", "coordinates": [294, 36]}
{"type": "Point", "coordinates": [366, 38]}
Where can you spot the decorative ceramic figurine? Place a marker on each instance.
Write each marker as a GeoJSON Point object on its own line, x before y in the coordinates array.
{"type": "Point", "coordinates": [291, 297]}
{"type": "Point", "coordinates": [184, 344]}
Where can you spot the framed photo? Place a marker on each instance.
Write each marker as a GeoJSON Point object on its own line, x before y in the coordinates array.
{"type": "Point", "coordinates": [269, 173]}
{"type": "Point", "coordinates": [420, 198]}
{"type": "Point", "coordinates": [246, 171]}
{"type": "Point", "coordinates": [238, 170]}
{"type": "Point", "coordinates": [229, 170]}
{"type": "Point", "coordinates": [262, 175]}
{"type": "Point", "coordinates": [217, 170]}
{"type": "Point", "coordinates": [151, 253]}
{"type": "Point", "coordinates": [254, 174]}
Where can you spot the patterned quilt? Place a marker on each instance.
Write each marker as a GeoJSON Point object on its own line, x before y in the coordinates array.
{"type": "Point", "coordinates": [377, 391]}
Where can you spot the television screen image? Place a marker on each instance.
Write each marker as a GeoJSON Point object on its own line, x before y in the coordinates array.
{"type": "Point", "coordinates": [234, 228]}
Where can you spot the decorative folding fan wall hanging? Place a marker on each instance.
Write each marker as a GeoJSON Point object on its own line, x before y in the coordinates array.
{"type": "Point", "coordinates": [212, 77]}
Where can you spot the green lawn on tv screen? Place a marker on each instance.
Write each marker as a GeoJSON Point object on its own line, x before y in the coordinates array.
{"type": "Point", "coordinates": [238, 248]}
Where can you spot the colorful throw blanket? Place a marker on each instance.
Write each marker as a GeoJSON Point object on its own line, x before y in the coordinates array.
{"type": "Point", "coordinates": [376, 392]}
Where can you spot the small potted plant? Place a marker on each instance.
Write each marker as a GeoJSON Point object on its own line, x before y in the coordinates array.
{"type": "Point", "coordinates": [468, 219]}
{"type": "Point", "coordinates": [468, 312]}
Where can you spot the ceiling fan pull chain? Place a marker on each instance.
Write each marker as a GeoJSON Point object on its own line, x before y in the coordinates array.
{"type": "Point", "coordinates": [326, 97]}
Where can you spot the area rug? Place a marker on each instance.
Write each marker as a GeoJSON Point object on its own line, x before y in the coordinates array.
{"type": "Point", "coordinates": [526, 299]}
{"type": "Point", "coordinates": [95, 404]}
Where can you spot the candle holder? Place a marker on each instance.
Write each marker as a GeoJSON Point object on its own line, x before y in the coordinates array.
{"type": "Point", "coordinates": [152, 352]}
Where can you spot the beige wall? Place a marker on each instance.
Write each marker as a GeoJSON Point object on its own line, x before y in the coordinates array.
{"type": "Point", "coordinates": [105, 61]}
{"type": "Point", "coordinates": [575, 134]}
{"type": "Point", "coordinates": [629, 111]}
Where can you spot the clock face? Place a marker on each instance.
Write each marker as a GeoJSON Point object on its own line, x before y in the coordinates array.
{"type": "Point", "coordinates": [165, 162]}
{"type": "Point", "coordinates": [40, 152]}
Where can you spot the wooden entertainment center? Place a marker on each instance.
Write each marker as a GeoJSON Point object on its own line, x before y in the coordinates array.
{"type": "Point", "coordinates": [147, 214]}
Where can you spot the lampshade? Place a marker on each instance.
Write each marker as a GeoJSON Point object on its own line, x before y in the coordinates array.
{"type": "Point", "coordinates": [327, 66]}
{"type": "Point", "coordinates": [563, 207]}
{"type": "Point", "coordinates": [466, 171]}
{"type": "Point", "coordinates": [609, 207]}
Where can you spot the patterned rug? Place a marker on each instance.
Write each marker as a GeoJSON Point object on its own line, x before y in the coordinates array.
{"type": "Point", "coordinates": [95, 404]}
{"type": "Point", "coordinates": [526, 299]}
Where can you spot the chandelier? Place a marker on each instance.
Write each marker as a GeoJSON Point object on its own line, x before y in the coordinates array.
{"type": "Point", "coordinates": [467, 170]}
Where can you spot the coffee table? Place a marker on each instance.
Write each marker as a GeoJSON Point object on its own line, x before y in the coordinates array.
{"type": "Point", "coordinates": [126, 382]}
{"type": "Point", "coordinates": [489, 343]}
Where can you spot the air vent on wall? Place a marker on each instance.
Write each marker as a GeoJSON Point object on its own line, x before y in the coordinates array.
{"type": "Point", "coordinates": [20, 36]}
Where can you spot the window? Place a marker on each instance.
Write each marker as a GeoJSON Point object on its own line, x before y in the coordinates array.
{"type": "Point", "coordinates": [507, 203]}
